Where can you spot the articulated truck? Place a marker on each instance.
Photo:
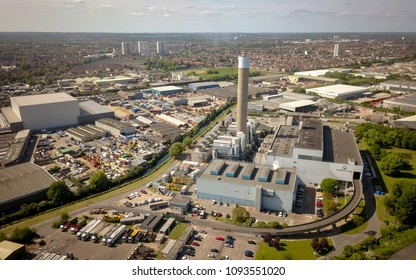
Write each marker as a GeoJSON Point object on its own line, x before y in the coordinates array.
{"type": "Point", "coordinates": [87, 233]}
{"type": "Point", "coordinates": [116, 235]}
{"type": "Point", "coordinates": [86, 228]}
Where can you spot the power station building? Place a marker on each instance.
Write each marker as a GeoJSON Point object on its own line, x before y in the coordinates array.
{"type": "Point", "coordinates": [314, 150]}
{"type": "Point", "coordinates": [248, 184]}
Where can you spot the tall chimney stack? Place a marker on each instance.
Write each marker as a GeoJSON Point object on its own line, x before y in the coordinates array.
{"type": "Point", "coordinates": [242, 94]}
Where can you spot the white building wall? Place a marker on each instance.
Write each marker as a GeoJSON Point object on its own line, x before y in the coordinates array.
{"type": "Point", "coordinates": [281, 201]}
{"type": "Point", "coordinates": [310, 171]}
{"type": "Point", "coordinates": [49, 115]}
{"type": "Point", "coordinates": [226, 191]}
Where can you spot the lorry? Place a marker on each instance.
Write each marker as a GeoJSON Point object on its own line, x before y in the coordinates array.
{"type": "Point", "coordinates": [97, 229]}
{"type": "Point", "coordinates": [75, 228]}
{"type": "Point", "coordinates": [126, 235]}
{"type": "Point", "coordinates": [133, 235]}
{"type": "Point", "coordinates": [202, 214]}
{"type": "Point", "coordinates": [97, 237]}
{"type": "Point", "coordinates": [85, 228]}
{"type": "Point", "coordinates": [87, 233]}
{"type": "Point", "coordinates": [116, 235]}
{"type": "Point", "coordinates": [68, 224]}
{"type": "Point", "coordinates": [108, 234]}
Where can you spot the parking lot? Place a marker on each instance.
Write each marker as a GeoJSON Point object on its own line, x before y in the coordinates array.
{"type": "Point", "coordinates": [211, 240]}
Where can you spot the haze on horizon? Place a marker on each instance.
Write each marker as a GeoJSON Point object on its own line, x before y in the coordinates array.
{"type": "Point", "coordinates": [138, 16]}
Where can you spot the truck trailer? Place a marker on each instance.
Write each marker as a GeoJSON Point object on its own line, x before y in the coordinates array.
{"type": "Point", "coordinates": [87, 233]}
{"type": "Point", "coordinates": [116, 235]}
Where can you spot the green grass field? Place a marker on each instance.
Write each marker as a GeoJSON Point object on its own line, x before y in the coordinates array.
{"type": "Point", "coordinates": [202, 73]}
{"type": "Point", "coordinates": [177, 231]}
{"type": "Point", "coordinates": [289, 250]}
{"type": "Point", "coordinates": [387, 182]}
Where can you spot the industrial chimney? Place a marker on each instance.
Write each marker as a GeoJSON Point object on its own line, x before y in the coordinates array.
{"type": "Point", "coordinates": [242, 94]}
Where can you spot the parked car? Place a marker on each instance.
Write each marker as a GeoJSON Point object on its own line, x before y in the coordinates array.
{"type": "Point", "coordinates": [220, 238]}
{"type": "Point", "coordinates": [214, 250]}
{"type": "Point", "coordinates": [195, 243]}
{"type": "Point", "coordinates": [251, 242]}
{"type": "Point", "coordinates": [248, 253]}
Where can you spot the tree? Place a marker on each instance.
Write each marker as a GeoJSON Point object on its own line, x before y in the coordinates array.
{"type": "Point", "coordinates": [195, 130]}
{"type": "Point", "coordinates": [59, 193]}
{"type": "Point", "coordinates": [99, 182]}
{"type": "Point", "coordinates": [402, 203]}
{"type": "Point", "coordinates": [392, 163]}
{"type": "Point", "coordinates": [187, 141]}
{"type": "Point", "coordinates": [23, 235]}
{"type": "Point", "coordinates": [239, 215]}
{"type": "Point", "coordinates": [328, 185]}
{"type": "Point", "coordinates": [329, 205]}
{"type": "Point", "coordinates": [176, 149]}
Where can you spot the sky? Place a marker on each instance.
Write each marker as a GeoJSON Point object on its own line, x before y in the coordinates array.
{"type": "Point", "coordinates": [138, 16]}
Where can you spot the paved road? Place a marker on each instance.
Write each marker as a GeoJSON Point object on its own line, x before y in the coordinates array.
{"type": "Point", "coordinates": [373, 227]}
{"type": "Point", "coordinates": [407, 253]}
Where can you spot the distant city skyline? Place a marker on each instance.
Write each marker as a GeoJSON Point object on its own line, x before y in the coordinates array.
{"type": "Point", "coordinates": [138, 16]}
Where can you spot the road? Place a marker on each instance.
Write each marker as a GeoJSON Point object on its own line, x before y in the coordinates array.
{"type": "Point", "coordinates": [407, 253]}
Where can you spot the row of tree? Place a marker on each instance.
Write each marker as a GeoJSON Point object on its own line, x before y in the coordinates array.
{"type": "Point", "coordinates": [385, 137]}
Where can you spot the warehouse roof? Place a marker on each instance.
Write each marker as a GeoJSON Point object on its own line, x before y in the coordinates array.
{"type": "Point", "coordinates": [10, 115]}
{"type": "Point", "coordinates": [297, 104]}
{"type": "Point", "coordinates": [337, 90]}
{"type": "Point", "coordinates": [91, 108]}
{"type": "Point", "coordinates": [23, 180]}
{"type": "Point", "coordinates": [7, 249]}
{"type": "Point", "coordinates": [38, 99]}
{"type": "Point", "coordinates": [166, 88]}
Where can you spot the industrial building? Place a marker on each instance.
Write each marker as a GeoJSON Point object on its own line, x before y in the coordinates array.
{"type": "Point", "coordinates": [321, 72]}
{"type": "Point", "coordinates": [170, 120]}
{"type": "Point", "coordinates": [166, 90]}
{"type": "Point", "coordinates": [11, 250]}
{"type": "Point", "coordinates": [406, 103]}
{"type": "Point", "coordinates": [180, 202]}
{"type": "Point", "coordinates": [46, 110]}
{"type": "Point", "coordinates": [116, 128]}
{"type": "Point", "coordinates": [130, 95]}
{"type": "Point", "coordinates": [152, 222]}
{"type": "Point", "coordinates": [198, 102]}
{"type": "Point", "coordinates": [177, 101]}
{"type": "Point", "coordinates": [86, 133]}
{"type": "Point", "coordinates": [13, 147]}
{"type": "Point", "coordinates": [409, 122]}
{"type": "Point", "coordinates": [91, 111]}
{"type": "Point", "coordinates": [166, 228]}
{"type": "Point", "coordinates": [339, 91]}
{"type": "Point", "coordinates": [248, 184]}
{"type": "Point", "coordinates": [203, 85]}
{"type": "Point", "coordinates": [23, 184]}
{"type": "Point", "coordinates": [9, 121]}
{"type": "Point", "coordinates": [399, 86]}
{"type": "Point", "coordinates": [315, 150]}
{"type": "Point", "coordinates": [302, 106]}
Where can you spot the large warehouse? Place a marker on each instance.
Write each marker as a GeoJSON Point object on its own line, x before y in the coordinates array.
{"type": "Point", "coordinates": [167, 90]}
{"type": "Point", "coordinates": [203, 85]}
{"type": "Point", "coordinates": [23, 184]}
{"type": "Point", "coordinates": [339, 91]}
{"type": "Point", "coordinates": [299, 106]}
{"type": "Point", "coordinates": [248, 184]}
{"type": "Point", "coordinates": [46, 110]}
{"type": "Point", "coordinates": [406, 103]}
